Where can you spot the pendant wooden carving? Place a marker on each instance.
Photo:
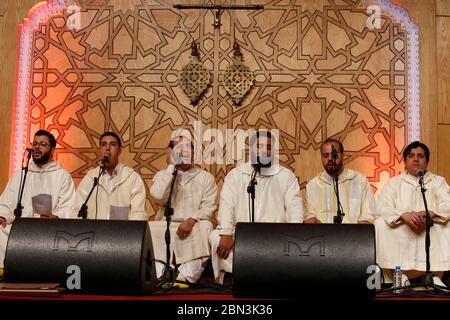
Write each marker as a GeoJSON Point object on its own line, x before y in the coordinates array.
{"type": "Point", "coordinates": [194, 77]}
{"type": "Point", "coordinates": [237, 78]}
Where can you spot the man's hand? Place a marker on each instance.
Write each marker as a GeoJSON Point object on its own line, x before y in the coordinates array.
{"type": "Point", "coordinates": [48, 215]}
{"type": "Point", "coordinates": [225, 245]}
{"type": "Point", "coordinates": [169, 157]}
{"type": "Point", "coordinates": [424, 214]}
{"type": "Point", "coordinates": [312, 220]}
{"type": "Point", "coordinates": [185, 228]}
{"type": "Point", "coordinates": [414, 220]}
{"type": "Point", "coordinates": [363, 222]}
{"type": "Point", "coordinates": [3, 222]}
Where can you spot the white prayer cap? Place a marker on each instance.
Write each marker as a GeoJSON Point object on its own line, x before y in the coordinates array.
{"type": "Point", "coordinates": [181, 132]}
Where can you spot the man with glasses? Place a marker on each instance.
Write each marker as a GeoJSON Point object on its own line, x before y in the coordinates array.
{"type": "Point", "coordinates": [120, 193]}
{"type": "Point", "coordinates": [48, 191]}
{"type": "Point", "coordinates": [355, 192]}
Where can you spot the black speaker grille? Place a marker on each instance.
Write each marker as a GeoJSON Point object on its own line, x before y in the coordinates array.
{"type": "Point", "coordinates": [293, 260]}
{"type": "Point", "coordinates": [113, 256]}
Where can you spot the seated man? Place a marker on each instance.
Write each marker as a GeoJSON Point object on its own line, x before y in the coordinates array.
{"type": "Point", "coordinates": [400, 222]}
{"type": "Point", "coordinates": [120, 193]}
{"type": "Point", "coordinates": [48, 192]}
{"type": "Point", "coordinates": [277, 199]}
{"type": "Point", "coordinates": [194, 202]}
{"type": "Point", "coordinates": [355, 193]}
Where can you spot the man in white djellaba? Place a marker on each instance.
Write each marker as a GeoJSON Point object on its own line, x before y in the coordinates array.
{"type": "Point", "coordinates": [193, 202]}
{"type": "Point", "coordinates": [277, 199]}
{"type": "Point", "coordinates": [48, 190]}
{"type": "Point", "coordinates": [120, 192]}
{"type": "Point", "coordinates": [355, 192]}
{"type": "Point", "coordinates": [400, 224]}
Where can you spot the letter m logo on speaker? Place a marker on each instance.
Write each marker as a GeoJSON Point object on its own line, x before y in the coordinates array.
{"type": "Point", "coordinates": [73, 242]}
{"type": "Point", "coordinates": [303, 247]}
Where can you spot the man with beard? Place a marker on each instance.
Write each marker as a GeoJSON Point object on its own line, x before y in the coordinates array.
{"type": "Point", "coordinates": [355, 193]}
{"type": "Point", "coordinates": [120, 193]}
{"type": "Point", "coordinates": [48, 192]}
{"type": "Point", "coordinates": [277, 199]}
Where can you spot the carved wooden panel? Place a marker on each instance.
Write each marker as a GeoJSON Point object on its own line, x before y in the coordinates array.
{"type": "Point", "coordinates": [443, 61]}
{"type": "Point", "coordinates": [443, 8]}
{"type": "Point", "coordinates": [320, 72]}
{"type": "Point", "coordinates": [3, 8]}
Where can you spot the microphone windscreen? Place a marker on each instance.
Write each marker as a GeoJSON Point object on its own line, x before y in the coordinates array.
{"type": "Point", "coordinates": [334, 154]}
{"type": "Point", "coordinates": [178, 160]}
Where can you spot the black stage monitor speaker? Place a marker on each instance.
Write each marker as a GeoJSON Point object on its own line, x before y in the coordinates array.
{"type": "Point", "coordinates": [107, 256]}
{"type": "Point", "coordinates": [290, 260]}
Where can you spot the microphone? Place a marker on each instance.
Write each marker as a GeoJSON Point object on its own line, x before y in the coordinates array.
{"type": "Point", "coordinates": [178, 161]}
{"type": "Point", "coordinates": [106, 157]}
{"type": "Point", "coordinates": [30, 150]}
{"type": "Point", "coordinates": [257, 166]}
{"type": "Point", "coordinates": [334, 153]}
{"type": "Point", "coordinates": [420, 173]}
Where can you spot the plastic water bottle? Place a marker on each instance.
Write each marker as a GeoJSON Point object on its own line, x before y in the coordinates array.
{"type": "Point", "coordinates": [397, 279]}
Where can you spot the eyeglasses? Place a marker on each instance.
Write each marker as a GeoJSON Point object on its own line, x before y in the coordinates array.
{"type": "Point", "coordinates": [40, 144]}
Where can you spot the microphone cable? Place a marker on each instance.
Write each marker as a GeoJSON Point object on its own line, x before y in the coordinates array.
{"type": "Point", "coordinates": [21, 177]}
{"type": "Point", "coordinates": [252, 177]}
{"type": "Point", "coordinates": [96, 199]}
{"type": "Point", "coordinates": [102, 169]}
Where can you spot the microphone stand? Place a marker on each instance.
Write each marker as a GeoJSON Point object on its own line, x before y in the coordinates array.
{"type": "Point", "coordinates": [169, 273]}
{"type": "Point", "coordinates": [251, 192]}
{"type": "Point", "coordinates": [339, 215]}
{"type": "Point", "coordinates": [83, 210]}
{"type": "Point", "coordinates": [428, 278]}
{"type": "Point", "coordinates": [19, 207]}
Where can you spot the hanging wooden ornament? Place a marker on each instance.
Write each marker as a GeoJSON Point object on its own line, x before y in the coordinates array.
{"type": "Point", "coordinates": [237, 78]}
{"type": "Point", "coordinates": [194, 77]}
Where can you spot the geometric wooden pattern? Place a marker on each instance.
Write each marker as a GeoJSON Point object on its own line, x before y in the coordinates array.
{"type": "Point", "coordinates": [319, 72]}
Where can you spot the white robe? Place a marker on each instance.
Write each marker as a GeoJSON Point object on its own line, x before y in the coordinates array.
{"type": "Point", "coordinates": [277, 199]}
{"type": "Point", "coordinates": [194, 196]}
{"type": "Point", "coordinates": [355, 195]}
{"type": "Point", "coordinates": [50, 179]}
{"type": "Point", "coordinates": [396, 243]}
{"type": "Point", "coordinates": [121, 198]}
